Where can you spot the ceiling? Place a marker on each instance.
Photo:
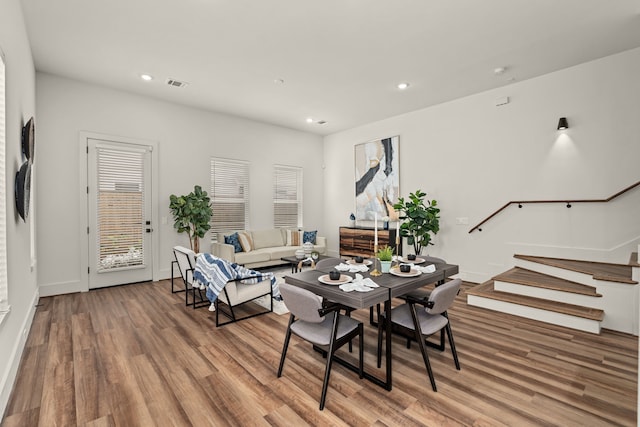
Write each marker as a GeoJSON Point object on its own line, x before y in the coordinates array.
{"type": "Point", "coordinates": [339, 60]}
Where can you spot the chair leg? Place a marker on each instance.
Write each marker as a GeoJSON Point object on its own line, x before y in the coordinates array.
{"type": "Point", "coordinates": [423, 347]}
{"type": "Point", "coordinates": [287, 337]}
{"type": "Point", "coordinates": [361, 355]}
{"type": "Point", "coordinates": [452, 345]}
{"type": "Point", "coordinates": [325, 383]}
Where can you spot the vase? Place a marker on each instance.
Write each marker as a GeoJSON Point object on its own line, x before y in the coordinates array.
{"type": "Point", "coordinates": [385, 266]}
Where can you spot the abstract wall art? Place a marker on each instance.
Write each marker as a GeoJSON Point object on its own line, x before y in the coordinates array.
{"type": "Point", "coordinates": [377, 178]}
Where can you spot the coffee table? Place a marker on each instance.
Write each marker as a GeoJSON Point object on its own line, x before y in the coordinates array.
{"type": "Point", "coordinates": [297, 264]}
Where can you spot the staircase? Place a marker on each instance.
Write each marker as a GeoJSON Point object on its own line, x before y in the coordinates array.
{"type": "Point", "coordinates": [583, 295]}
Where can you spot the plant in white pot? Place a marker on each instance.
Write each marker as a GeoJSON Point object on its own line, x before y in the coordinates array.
{"type": "Point", "coordinates": [192, 215]}
{"type": "Point", "coordinates": [385, 255]}
{"type": "Point", "coordinates": [421, 220]}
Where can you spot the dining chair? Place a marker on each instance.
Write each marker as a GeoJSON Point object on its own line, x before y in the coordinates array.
{"type": "Point", "coordinates": [324, 327]}
{"type": "Point", "coordinates": [186, 261]}
{"type": "Point", "coordinates": [328, 262]}
{"type": "Point", "coordinates": [420, 323]}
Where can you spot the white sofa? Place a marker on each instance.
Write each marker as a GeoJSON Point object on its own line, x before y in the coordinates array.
{"type": "Point", "coordinates": [268, 246]}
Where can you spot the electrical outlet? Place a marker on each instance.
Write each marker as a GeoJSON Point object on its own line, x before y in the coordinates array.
{"type": "Point", "coordinates": [462, 221]}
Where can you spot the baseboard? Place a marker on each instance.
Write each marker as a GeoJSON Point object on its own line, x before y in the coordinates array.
{"type": "Point", "coordinates": [60, 288]}
{"type": "Point", "coordinates": [9, 375]}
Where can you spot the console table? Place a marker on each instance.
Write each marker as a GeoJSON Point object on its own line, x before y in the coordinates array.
{"type": "Point", "coordinates": [358, 241]}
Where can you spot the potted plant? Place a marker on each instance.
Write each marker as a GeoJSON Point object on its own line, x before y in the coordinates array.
{"type": "Point", "coordinates": [421, 220]}
{"type": "Point", "coordinates": [385, 255]}
{"type": "Point", "coordinates": [192, 214]}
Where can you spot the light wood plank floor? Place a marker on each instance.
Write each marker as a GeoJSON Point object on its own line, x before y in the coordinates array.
{"type": "Point", "coordinates": [135, 356]}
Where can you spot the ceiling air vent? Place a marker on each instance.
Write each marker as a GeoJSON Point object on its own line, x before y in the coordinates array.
{"type": "Point", "coordinates": [176, 83]}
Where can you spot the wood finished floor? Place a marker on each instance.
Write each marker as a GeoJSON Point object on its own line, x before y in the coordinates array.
{"type": "Point", "coordinates": [135, 356]}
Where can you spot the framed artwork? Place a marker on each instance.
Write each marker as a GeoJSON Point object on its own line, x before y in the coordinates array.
{"type": "Point", "coordinates": [377, 178]}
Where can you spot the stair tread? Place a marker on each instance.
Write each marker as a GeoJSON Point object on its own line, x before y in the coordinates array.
{"type": "Point", "coordinates": [523, 276]}
{"type": "Point", "coordinates": [486, 290]}
{"type": "Point", "coordinates": [620, 273]}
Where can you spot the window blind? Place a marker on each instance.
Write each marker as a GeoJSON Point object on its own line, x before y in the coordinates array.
{"type": "Point", "coordinates": [4, 291]}
{"type": "Point", "coordinates": [120, 208]}
{"type": "Point", "coordinates": [287, 196]}
{"type": "Point", "coordinates": [229, 195]}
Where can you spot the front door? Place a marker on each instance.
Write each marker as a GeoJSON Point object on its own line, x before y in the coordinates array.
{"type": "Point", "coordinates": [119, 199]}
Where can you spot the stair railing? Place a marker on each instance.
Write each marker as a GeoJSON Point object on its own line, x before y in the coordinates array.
{"type": "Point", "coordinates": [568, 202]}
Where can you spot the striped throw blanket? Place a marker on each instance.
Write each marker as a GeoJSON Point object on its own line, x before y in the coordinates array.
{"type": "Point", "coordinates": [215, 273]}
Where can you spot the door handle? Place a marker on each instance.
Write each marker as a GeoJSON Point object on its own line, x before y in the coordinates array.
{"type": "Point", "coordinates": [149, 230]}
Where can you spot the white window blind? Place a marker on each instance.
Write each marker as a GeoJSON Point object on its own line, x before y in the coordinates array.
{"type": "Point", "coordinates": [4, 291]}
{"type": "Point", "coordinates": [287, 196]}
{"type": "Point", "coordinates": [120, 208]}
{"type": "Point", "coordinates": [229, 195]}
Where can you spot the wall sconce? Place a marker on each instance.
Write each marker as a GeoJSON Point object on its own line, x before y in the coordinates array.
{"type": "Point", "coordinates": [562, 123]}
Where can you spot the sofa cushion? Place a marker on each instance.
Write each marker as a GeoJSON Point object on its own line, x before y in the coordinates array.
{"type": "Point", "coordinates": [267, 238]}
{"type": "Point", "coordinates": [245, 241]}
{"type": "Point", "coordinates": [233, 240]}
{"type": "Point", "coordinates": [282, 251]}
{"type": "Point", "coordinates": [258, 255]}
{"type": "Point", "coordinates": [294, 238]}
{"type": "Point", "coordinates": [309, 236]}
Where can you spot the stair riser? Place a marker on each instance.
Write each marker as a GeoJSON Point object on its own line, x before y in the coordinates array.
{"type": "Point", "coordinates": [619, 300]}
{"type": "Point", "coordinates": [548, 294]}
{"type": "Point", "coordinates": [554, 318]}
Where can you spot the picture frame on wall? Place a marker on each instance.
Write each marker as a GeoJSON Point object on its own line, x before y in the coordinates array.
{"type": "Point", "coordinates": [377, 178]}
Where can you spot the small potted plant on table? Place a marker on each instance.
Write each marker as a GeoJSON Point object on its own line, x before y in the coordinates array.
{"type": "Point", "coordinates": [385, 255]}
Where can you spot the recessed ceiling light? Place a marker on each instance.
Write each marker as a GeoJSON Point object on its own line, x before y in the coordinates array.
{"type": "Point", "coordinates": [403, 86]}
{"type": "Point", "coordinates": [146, 77]}
{"type": "Point", "coordinates": [309, 120]}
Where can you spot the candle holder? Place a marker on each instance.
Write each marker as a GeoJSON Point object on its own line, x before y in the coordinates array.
{"type": "Point", "coordinates": [397, 259]}
{"type": "Point", "coordinates": [375, 272]}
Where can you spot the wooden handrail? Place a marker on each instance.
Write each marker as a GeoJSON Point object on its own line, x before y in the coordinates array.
{"type": "Point", "coordinates": [567, 201]}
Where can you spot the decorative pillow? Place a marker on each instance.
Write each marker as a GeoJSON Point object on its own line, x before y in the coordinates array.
{"type": "Point", "coordinates": [294, 238]}
{"type": "Point", "coordinates": [309, 236]}
{"type": "Point", "coordinates": [245, 241]}
{"type": "Point", "coordinates": [233, 240]}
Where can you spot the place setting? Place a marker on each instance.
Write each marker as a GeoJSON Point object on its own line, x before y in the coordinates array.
{"type": "Point", "coordinates": [348, 283]}
{"type": "Point", "coordinates": [411, 270]}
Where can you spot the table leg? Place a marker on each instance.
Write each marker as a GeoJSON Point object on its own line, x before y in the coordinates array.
{"type": "Point", "coordinates": [388, 359]}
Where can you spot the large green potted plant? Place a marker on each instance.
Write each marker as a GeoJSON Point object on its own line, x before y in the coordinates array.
{"type": "Point", "coordinates": [421, 220]}
{"type": "Point", "coordinates": [192, 215]}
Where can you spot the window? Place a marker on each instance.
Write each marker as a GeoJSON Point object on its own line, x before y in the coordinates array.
{"type": "Point", "coordinates": [229, 195]}
{"type": "Point", "coordinates": [4, 292]}
{"type": "Point", "coordinates": [287, 196]}
{"type": "Point", "coordinates": [120, 207]}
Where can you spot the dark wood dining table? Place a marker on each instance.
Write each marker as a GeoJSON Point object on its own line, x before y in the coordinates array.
{"type": "Point", "coordinates": [390, 286]}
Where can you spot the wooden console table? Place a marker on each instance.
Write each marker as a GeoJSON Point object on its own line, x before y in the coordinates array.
{"type": "Point", "coordinates": [356, 241]}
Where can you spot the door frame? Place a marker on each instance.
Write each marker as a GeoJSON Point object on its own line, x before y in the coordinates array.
{"type": "Point", "coordinates": [83, 179]}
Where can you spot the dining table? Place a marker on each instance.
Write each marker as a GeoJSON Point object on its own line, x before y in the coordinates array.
{"type": "Point", "coordinates": [389, 287]}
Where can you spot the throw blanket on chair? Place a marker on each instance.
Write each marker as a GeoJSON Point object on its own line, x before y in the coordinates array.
{"type": "Point", "coordinates": [214, 273]}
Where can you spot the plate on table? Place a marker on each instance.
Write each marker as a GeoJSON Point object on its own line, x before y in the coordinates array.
{"type": "Point", "coordinates": [413, 273]}
{"type": "Point", "coordinates": [341, 281]}
{"type": "Point", "coordinates": [364, 262]}
{"type": "Point", "coordinates": [415, 261]}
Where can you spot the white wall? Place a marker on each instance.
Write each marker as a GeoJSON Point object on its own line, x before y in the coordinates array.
{"type": "Point", "coordinates": [20, 106]}
{"type": "Point", "coordinates": [473, 157]}
{"type": "Point", "coordinates": [186, 137]}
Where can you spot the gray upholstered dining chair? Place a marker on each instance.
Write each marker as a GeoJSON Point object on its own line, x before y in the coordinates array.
{"type": "Point", "coordinates": [328, 262]}
{"type": "Point", "coordinates": [324, 327]}
{"type": "Point", "coordinates": [419, 323]}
